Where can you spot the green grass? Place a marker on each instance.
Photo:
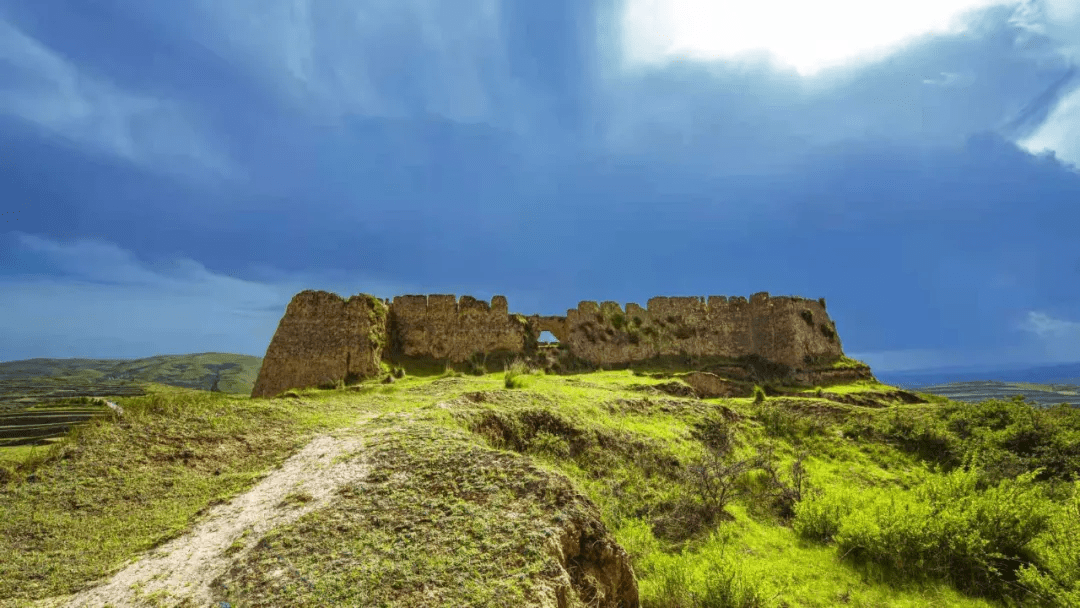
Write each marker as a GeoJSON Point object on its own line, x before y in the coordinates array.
{"type": "Point", "coordinates": [846, 362]}
{"type": "Point", "coordinates": [470, 477]}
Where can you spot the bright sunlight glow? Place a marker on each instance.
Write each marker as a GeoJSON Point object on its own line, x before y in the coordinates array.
{"type": "Point", "coordinates": [808, 35]}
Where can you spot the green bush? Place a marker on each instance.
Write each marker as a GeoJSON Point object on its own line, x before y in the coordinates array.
{"type": "Point", "coordinates": [1056, 582]}
{"type": "Point", "coordinates": [781, 422]}
{"type": "Point", "coordinates": [618, 320]}
{"type": "Point", "coordinates": [818, 517]}
{"type": "Point", "coordinates": [515, 376]}
{"type": "Point", "coordinates": [945, 528]}
{"type": "Point", "coordinates": [549, 444]}
{"type": "Point", "coordinates": [1007, 437]}
{"type": "Point", "coordinates": [926, 437]}
{"type": "Point", "coordinates": [759, 394]}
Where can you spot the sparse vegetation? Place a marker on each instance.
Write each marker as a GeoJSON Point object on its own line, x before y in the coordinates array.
{"type": "Point", "coordinates": [515, 375]}
{"type": "Point", "coordinates": [846, 362]}
{"type": "Point", "coordinates": [298, 498]}
{"type": "Point", "coordinates": [827, 331]}
{"type": "Point", "coordinates": [618, 320]}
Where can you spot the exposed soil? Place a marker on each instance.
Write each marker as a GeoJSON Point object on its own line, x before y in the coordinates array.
{"type": "Point", "coordinates": [184, 567]}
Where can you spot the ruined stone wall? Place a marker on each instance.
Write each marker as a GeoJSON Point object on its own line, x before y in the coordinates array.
{"type": "Point", "coordinates": [787, 330]}
{"type": "Point", "coordinates": [445, 328]}
{"type": "Point", "coordinates": [321, 339]}
{"type": "Point", "coordinates": [324, 338]}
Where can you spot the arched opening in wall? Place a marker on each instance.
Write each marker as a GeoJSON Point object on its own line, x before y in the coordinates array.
{"type": "Point", "coordinates": [546, 337]}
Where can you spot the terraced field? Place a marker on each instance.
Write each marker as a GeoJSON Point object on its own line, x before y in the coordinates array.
{"type": "Point", "coordinates": [1042, 394]}
{"type": "Point", "coordinates": [43, 399]}
{"type": "Point", "coordinates": [37, 413]}
{"type": "Point", "coordinates": [16, 395]}
{"type": "Point", "coordinates": [42, 424]}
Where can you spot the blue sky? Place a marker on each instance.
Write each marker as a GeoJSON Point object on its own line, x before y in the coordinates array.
{"type": "Point", "coordinates": [172, 173]}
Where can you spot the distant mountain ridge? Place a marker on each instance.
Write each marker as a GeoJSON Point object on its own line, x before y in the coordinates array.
{"type": "Point", "coordinates": [224, 372]}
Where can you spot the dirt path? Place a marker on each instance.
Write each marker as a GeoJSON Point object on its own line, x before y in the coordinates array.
{"type": "Point", "coordinates": [184, 567]}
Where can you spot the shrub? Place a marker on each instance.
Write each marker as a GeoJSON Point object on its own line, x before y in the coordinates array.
{"type": "Point", "coordinates": [782, 422]}
{"type": "Point", "coordinates": [943, 529]}
{"type": "Point", "coordinates": [716, 479]}
{"type": "Point", "coordinates": [716, 433]}
{"type": "Point", "coordinates": [477, 364]}
{"type": "Point", "coordinates": [925, 437]}
{"type": "Point", "coordinates": [549, 444]}
{"type": "Point", "coordinates": [1056, 582]}
{"type": "Point", "coordinates": [827, 332]}
{"type": "Point", "coordinates": [808, 317]}
{"type": "Point", "coordinates": [716, 476]}
{"type": "Point", "coordinates": [1009, 437]}
{"type": "Point", "coordinates": [759, 394]}
{"type": "Point", "coordinates": [515, 375]}
{"type": "Point", "coordinates": [846, 362]}
{"type": "Point", "coordinates": [818, 517]}
{"type": "Point", "coordinates": [618, 320]}
{"type": "Point", "coordinates": [780, 495]}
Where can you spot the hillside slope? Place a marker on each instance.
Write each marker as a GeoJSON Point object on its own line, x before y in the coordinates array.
{"type": "Point", "coordinates": [232, 373]}
{"type": "Point", "coordinates": [604, 489]}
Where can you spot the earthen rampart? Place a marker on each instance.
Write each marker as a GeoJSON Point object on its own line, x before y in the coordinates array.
{"type": "Point", "coordinates": [324, 338]}
{"type": "Point", "coordinates": [787, 330]}
{"type": "Point", "coordinates": [444, 328]}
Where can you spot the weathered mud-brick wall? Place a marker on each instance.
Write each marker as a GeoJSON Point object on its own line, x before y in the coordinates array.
{"type": "Point", "coordinates": [441, 327]}
{"type": "Point", "coordinates": [791, 331]}
{"type": "Point", "coordinates": [321, 339]}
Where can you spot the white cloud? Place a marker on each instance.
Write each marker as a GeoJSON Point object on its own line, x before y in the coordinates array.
{"type": "Point", "coordinates": [1059, 133]}
{"type": "Point", "coordinates": [1045, 326]}
{"type": "Point", "coordinates": [1053, 341]}
{"type": "Point", "coordinates": [808, 36]}
{"type": "Point", "coordinates": [1058, 21]}
{"type": "Point", "coordinates": [108, 303]}
{"type": "Point", "coordinates": [349, 58]}
{"type": "Point", "coordinates": [51, 92]}
{"type": "Point", "coordinates": [951, 79]}
{"type": "Point", "coordinates": [99, 300]}
{"type": "Point", "coordinates": [1059, 339]}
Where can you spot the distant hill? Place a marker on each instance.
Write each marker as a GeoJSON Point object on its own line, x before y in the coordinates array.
{"type": "Point", "coordinates": [1041, 394]}
{"type": "Point", "coordinates": [1045, 385]}
{"type": "Point", "coordinates": [228, 373]}
{"type": "Point", "coordinates": [1063, 373]}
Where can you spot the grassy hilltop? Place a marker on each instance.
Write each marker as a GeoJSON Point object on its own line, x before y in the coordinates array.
{"type": "Point", "coordinates": [793, 500]}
